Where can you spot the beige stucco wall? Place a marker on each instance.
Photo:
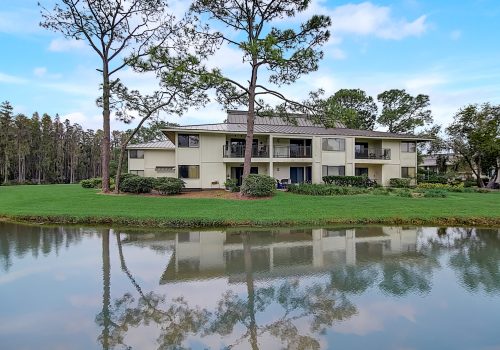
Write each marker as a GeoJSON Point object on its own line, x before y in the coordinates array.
{"type": "Point", "coordinates": [154, 158]}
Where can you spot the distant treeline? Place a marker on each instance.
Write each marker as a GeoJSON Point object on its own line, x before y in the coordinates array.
{"type": "Point", "coordinates": [48, 150]}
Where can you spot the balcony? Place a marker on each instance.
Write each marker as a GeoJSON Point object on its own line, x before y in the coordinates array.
{"type": "Point", "coordinates": [238, 151]}
{"type": "Point", "coordinates": [373, 153]}
{"type": "Point", "coordinates": [293, 151]}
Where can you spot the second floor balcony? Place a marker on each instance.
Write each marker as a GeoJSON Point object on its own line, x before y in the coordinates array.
{"type": "Point", "coordinates": [373, 153]}
{"type": "Point", "coordinates": [292, 151]}
{"type": "Point", "coordinates": [238, 151]}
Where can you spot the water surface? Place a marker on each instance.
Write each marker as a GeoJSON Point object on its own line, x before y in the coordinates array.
{"type": "Point", "coordinates": [329, 288]}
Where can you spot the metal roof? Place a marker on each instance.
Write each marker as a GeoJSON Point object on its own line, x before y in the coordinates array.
{"type": "Point", "coordinates": [240, 117]}
{"type": "Point", "coordinates": [291, 129]}
{"type": "Point", "coordinates": [153, 145]}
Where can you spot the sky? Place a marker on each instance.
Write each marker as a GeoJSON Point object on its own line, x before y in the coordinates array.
{"type": "Point", "coordinates": [447, 49]}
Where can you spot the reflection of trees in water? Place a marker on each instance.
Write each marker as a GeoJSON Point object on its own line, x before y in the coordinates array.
{"type": "Point", "coordinates": [321, 304]}
{"type": "Point", "coordinates": [474, 256]}
{"type": "Point", "coordinates": [19, 240]}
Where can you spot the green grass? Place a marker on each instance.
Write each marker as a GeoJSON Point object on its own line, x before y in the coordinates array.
{"type": "Point", "coordinates": [73, 204]}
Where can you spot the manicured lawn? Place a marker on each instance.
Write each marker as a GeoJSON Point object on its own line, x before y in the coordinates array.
{"type": "Point", "coordinates": [71, 203]}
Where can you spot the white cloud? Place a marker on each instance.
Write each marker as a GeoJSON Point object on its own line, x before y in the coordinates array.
{"type": "Point", "coordinates": [368, 19]}
{"type": "Point", "coordinates": [62, 45]}
{"type": "Point", "coordinates": [40, 71]}
{"type": "Point", "coordinates": [11, 79]}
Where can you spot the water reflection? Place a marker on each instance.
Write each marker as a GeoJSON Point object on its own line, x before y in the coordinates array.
{"type": "Point", "coordinates": [283, 288]}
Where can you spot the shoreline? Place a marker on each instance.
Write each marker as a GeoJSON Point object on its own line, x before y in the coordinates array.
{"type": "Point", "coordinates": [158, 223]}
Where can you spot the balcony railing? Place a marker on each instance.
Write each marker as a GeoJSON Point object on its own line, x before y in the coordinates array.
{"type": "Point", "coordinates": [293, 151]}
{"type": "Point", "coordinates": [373, 153]}
{"type": "Point", "coordinates": [238, 151]}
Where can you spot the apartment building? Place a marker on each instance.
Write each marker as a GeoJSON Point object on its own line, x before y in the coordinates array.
{"type": "Point", "coordinates": [295, 151]}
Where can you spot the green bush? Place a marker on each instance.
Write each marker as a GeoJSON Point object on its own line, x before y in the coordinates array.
{"type": "Point", "coordinates": [434, 178]}
{"type": "Point", "coordinates": [137, 184]}
{"type": "Point", "coordinates": [92, 183]}
{"type": "Point", "coordinates": [436, 193]}
{"type": "Point", "coordinates": [256, 185]}
{"type": "Point", "coordinates": [346, 181]}
{"type": "Point", "coordinates": [482, 190]}
{"type": "Point", "coordinates": [380, 191]}
{"type": "Point", "coordinates": [232, 185]}
{"type": "Point", "coordinates": [168, 185]}
{"type": "Point", "coordinates": [400, 183]}
{"type": "Point", "coordinates": [325, 190]}
{"type": "Point", "coordinates": [404, 192]}
{"type": "Point", "coordinates": [470, 183]}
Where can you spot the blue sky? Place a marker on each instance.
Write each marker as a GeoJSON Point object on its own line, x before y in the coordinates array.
{"type": "Point", "coordinates": [447, 49]}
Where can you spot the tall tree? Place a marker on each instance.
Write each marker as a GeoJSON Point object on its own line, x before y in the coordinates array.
{"type": "Point", "coordinates": [402, 112]}
{"type": "Point", "coordinates": [111, 29]}
{"type": "Point", "coordinates": [351, 107]}
{"type": "Point", "coordinates": [285, 54]}
{"type": "Point", "coordinates": [475, 136]}
{"type": "Point", "coordinates": [6, 138]}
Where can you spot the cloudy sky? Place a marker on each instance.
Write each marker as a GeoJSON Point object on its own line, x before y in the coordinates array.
{"type": "Point", "coordinates": [447, 49]}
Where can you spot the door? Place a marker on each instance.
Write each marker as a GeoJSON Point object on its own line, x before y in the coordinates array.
{"type": "Point", "coordinates": [309, 174]}
{"type": "Point", "coordinates": [237, 147]}
{"type": "Point", "coordinates": [296, 174]}
{"type": "Point", "coordinates": [361, 171]}
{"type": "Point", "coordinates": [237, 173]}
{"type": "Point", "coordinates": [361, 149]}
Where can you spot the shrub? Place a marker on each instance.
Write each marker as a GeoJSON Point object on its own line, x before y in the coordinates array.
{"type": "Point", "coordinates": [137, 184]}
{"type": "Point", "coordinates": [482, 190]}
{"type": "Point", "coordinates": [325, 190]}
{"type": "Point", "coordinates": [404, 192]}
{"type": "Point", "coordinates": [400, 183]}
{"type": "Point", "coordinates": [168, 185]}
{"type": "Point", "coordinates": [381, 191]}
{"type": "Point", "coordinates": [92, 183]}
{"type": "Point", "coordinates": [258, 185]}
{"type": "Point", "coordinates": [232, 185]}
{"type": "Point", "coordinates": [354, 181]}
{"type": "Point", "coordinates": [434, 178]}
{"type": "Point", "coordinates": [439, 186]}
{"type": "Point", "coordinates": [436, 193]}
{"type": "Point", "coordinates": [470, 183]}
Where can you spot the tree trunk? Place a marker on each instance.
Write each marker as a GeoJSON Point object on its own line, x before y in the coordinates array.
{"type": "Point", "coordinates": [247, 165]}
{"type": "Point", "coordinates": [247, 253]}
{"type": "Point", "coordinates": [493, 179]}
{"type": "Point", "coordinates": [106, 293]}
{"type": "Point", "coordinates": [106, 128]}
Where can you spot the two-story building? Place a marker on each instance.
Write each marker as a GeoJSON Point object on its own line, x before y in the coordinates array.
{"type": "Point", "coordinates": [204, 156]}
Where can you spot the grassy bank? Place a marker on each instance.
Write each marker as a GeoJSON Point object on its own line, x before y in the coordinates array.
{"type": "Point", "coordinates": [73, 204]}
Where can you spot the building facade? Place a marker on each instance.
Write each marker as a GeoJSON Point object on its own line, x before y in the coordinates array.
{"type": "Point", "coordinates": [292, 151]}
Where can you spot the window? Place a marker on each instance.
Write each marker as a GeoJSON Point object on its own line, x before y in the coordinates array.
{"type": "Point", "coordinates": [189, 171]}
{"type": "Point", "coordinates": [136, 154]}
{"type": "Point", "coordinates": [333, 170]}
{"type": "Point", "coordinates": [408, 147]}
{"type": "Point", "coordinates": [333, 144]}
{"type": "Point", "coordinates": [165, 169]}
{"type": "Point", "coordinates": [408, 172]}
{"type": "Point", "coordinates": [137, 172]}
{"type": "Point", "coordinates": [185, 140]}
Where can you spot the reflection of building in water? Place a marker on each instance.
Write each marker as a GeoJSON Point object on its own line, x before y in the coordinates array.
{"type": "Point", "coordinates": [282, 253]}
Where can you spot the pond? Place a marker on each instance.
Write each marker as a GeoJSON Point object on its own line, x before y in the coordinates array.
{"type": "Point", "coordinates": [292, 288]}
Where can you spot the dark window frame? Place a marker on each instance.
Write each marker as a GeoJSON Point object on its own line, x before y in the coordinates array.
{"type": "Point", "coordinates": [341, 170]}
{"type": "Point", "coordinates": [188, 140]}
{"type": "Point", "coordinates": [181, 172]}
{"type": "Point", "coordinates": [325, 145]}
{"type": "Point", "coordinates": [405, 146]}
{"type": "Point", "coordinates": [407, 176]}
{"type": "Point", "coordinates": [136, 154]}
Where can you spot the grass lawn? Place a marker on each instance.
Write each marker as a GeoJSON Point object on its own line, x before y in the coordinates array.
{"type": "Point", "coordinates": [73, 204]}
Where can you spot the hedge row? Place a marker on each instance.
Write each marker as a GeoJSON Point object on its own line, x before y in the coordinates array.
{"type": "Point", "coordinates": [349, 181]}
{"type": "Point", "coordinates": [325, 190]}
